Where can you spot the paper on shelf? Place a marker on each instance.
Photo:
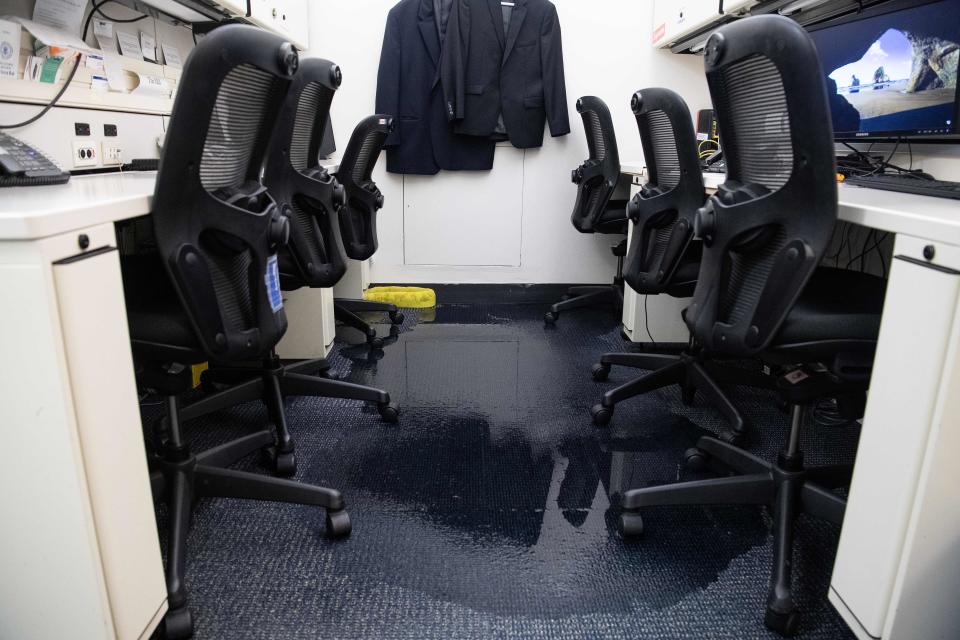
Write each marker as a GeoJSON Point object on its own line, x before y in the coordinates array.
{"type": "Point", "coordinates": [103, 32]}
{"type": "Point", "coordinates": [31, 71]}
{"type": "Point", "coordinates": [52, 36]}
{"type": "Point", "coordinates": [60, 14]}
{"type": "Point", "coordinates": [149, 46]}
{"type": "Point", "coordinates": [114, 72]}
{"type": "Point", "coordinates": [50, 69]}
{"type": "Point", "coordinates": [171, 56]}
{"type": "Point", "coordinates": [9, 49]}
{"type": "Point", "coordinates": [152, 86]}
{"type": "Point", "coordinates": [94, 62]}
{"type": "Point", "coordinates": [129, 45]}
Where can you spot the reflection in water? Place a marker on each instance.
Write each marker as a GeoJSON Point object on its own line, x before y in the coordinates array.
{"type": "Point", "coordinates": [496, 464]}
{"type": "Point", "coordinates": [490, 510]}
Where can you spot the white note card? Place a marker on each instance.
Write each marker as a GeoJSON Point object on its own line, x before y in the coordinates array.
{"type": "Point", "coordinates": [171, 56]}
{"type": "Point", "coordinates": [61, 14]}
{"type": "Point", "coordinates": [94, 62]}
{"type": "Point", "coordinates": [103, 32]}
{"type": "Point", "coordinates": [154, 86]}
{"type": "Point", "coordinates": [99, 83]}
{"type": "Point", "coordinates": [116, 78]}
{"type": "Point", "coordinates": [149, 46]}
{"type": "Point", "coordinates": [9, 49]}
{"type": "Point", "coordinates": [129, 45]}
{"type": "Point", "coordinates": [102, 28]}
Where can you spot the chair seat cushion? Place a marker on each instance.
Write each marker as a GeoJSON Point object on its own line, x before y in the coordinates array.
{"type": "Point", "coordinates": [159, 326]}
{"type": "Point", "coordinates": [684, 279]}
{"type": "Point", "coordinates": [613, 220]}
{"type": "Point", "coordinates": [837, 306]}
{"type": "Point", "coordinates": [290, 279]}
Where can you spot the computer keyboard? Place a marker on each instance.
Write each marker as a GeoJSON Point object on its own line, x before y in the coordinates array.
{"type": "Point", "coordinates": [908, 184]}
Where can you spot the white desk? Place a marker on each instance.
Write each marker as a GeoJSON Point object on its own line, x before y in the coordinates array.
{"type": "Point", "coordinates": [897, 571]}
{"type": "Point", "coordinates": [77, 529]}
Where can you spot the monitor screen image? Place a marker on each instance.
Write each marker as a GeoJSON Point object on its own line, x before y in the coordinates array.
{"type": "Point", "coordinates": [893, 73]}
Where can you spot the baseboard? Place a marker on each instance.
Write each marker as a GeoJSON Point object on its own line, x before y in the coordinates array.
{"type": "Point", "coordinates": [496, 293]}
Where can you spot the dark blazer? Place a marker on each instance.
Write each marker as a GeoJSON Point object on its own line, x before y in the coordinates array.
{"type": "Point", "coordinates": [487, 71]}
{"type": "Point", "coordinates": [408, 88]}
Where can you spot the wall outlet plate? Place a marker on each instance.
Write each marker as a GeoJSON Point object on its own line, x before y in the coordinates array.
{"type": "Point", "coordinates": [111, 154]}
{"type": "Point", "coordinates": [85, 153]}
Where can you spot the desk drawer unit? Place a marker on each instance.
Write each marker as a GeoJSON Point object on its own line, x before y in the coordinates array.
{"type": "Point", "coordinates": [897, 574]}
{"type": "Point", "coordinates": [79, 552]}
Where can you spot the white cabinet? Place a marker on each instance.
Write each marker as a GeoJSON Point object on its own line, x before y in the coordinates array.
{"type": "Point", "coordinates": [78, 525]}
{"type": "Point", "coordinates": [289, 18]}
{"type": "Point", "coordinates": [236, 7]}
{"type": "Point", "coordinates": [310, 324]}
{"type": "Point", "coordinates": [897, 569]}
{"type": "Point", "coordinates": [736, 6]}
{"type": "Point", "coordinates": [674, 20]}
{"type": "Point", "coordinates": [466, 219]}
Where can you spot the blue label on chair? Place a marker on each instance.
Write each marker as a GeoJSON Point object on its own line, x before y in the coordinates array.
{"type": "Point", "coordinates": [273, 284]}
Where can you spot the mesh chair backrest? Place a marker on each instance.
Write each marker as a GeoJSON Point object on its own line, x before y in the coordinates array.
{"type": "Point", "coordinates": [664, 210]}
{"type": "Point", "coordinates": [309, 195]}
{"type": "Point", "coordinates": [598, 176]}
{"type": "Point", "coordinates": [217, 229]}
{"type": "Point", "coordinates": [769, 224]}
{"type": "Point", "coordinates": [358, 217]}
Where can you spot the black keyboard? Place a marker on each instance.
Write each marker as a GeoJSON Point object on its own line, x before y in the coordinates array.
{"type": "Point", "coordinates": [908, 184]}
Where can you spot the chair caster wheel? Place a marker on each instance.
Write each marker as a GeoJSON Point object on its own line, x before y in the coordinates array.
{"type": "Point", "coordinates": [389, 412]}
{"type": "Point", "coordinates": [285, 464]}
{"type": "Point", "coordinates": [601, 372]}
{"type": "Point", "coordinates": [550, 317]}
{"type": "Point", "coordinates": [338, 524]}
{"type": "Point", "coordinates": [688, 395]}
{"type": "Point", "coordinates": [783, 623]}
{"type": "Point", "coordinates": [375, 342]}
{"type": "Point", "coordinates": [694, 459]}
{"type": "Point", "coordinates": [396, 317]}
{"type": "Point", "coordinates": [177, 624]}
{"type": "Point", "coordinates": [630, 525]}
{"type": "Point", "coordinates": [601, 415]}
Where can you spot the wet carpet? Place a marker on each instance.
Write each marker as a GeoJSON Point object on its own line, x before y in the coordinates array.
{"type": "Point", "coordinates": [490, 511]}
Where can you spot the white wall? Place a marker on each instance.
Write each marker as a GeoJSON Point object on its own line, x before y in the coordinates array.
{"type": "Point", "coordinates": [606, 53]}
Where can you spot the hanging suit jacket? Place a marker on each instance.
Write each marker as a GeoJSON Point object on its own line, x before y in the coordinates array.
{"type": "Point", "coordinates": [500, 76]}
{"type": "Point", "coordinates": [408, 87]}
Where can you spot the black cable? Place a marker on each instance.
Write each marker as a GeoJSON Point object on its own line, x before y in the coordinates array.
{"type": "Point", "coordinates": [883, 261]}
{"type": "Point", "coordinates": [49, 105]}
{"type": "Point", "coordinates": [76, 65]}
{"type": "Point", "coordinates": [96, 9]}
{"type": "Point", "coordinates": [646, 320]}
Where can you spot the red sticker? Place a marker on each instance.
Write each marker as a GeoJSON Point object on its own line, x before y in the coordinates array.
{"type": "Point", "coordinates": [659, 32]}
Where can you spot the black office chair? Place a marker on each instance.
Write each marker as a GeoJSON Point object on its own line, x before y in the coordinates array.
{"type": "Point", "coordinates": [309, 197]}
{"type": "Point", "coordinates": [664, 258]}
{"type": "Point", "coordinates": [594, 212]}
{"type": "Point", "coordinates": [210, 290]}
{"type": "Point", "coordinates": [759, 292]}
{"type": "Point", "coordinates": [358, 217]}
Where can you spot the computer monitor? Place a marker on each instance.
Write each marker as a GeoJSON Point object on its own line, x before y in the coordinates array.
{"type": "Point", "coordinates": [891, 70]}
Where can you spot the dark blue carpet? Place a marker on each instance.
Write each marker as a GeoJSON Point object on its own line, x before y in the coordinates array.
{"type": "Point", "coordinates": [486, 513]}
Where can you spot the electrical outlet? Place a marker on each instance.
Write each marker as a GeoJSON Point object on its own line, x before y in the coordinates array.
{"type": "Point", "coordinates": [112, 154]}
{"type": "Point", "coordinates": [85, 154]}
